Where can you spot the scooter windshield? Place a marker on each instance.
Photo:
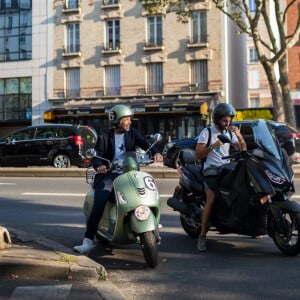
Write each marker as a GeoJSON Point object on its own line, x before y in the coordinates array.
{"type": "Point", "coordinates": [265, 138]}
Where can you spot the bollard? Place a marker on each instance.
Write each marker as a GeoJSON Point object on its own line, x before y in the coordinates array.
{"type": "Point", "coordinates": [5, 240]}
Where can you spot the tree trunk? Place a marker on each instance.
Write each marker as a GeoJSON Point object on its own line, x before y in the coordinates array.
{"type": "Point", "coordinates": [278, 111]}
{"type": "Point", "coordinates": [285, 90]}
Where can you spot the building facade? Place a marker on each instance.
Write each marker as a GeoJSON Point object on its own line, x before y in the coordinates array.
{"type": "Point", "coordinates": [294, 63]}
{"type": "Point", "coordinates": [109, 52]}
{"type": "Point", "coordinates": [75, 59]}
{"type": "Point", "coordinates": [26, 43]}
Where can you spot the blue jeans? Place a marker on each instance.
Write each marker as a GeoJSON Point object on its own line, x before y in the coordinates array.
{"type": "Point", "coordinates": [104, 186]}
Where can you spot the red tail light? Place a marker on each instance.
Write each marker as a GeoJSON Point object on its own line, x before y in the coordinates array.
{"type": "Point", "coordinates": [78, 140]}
{"type": "Point", "coordinates": [295, 135]}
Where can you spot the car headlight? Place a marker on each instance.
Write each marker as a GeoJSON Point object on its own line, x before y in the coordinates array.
{"type": "Point", "coordinates": [274, 178]}
{"type": "Point", "coordinates": [142, 212]}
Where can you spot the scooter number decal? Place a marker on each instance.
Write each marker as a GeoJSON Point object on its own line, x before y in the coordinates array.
{"type": "Point", "coordinates": [150, 184]}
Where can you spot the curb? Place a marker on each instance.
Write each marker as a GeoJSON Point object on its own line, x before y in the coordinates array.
{"type": "Point", "coordinates": [156, 171]}
{"type": "Point", "coordinates": [36, 257]}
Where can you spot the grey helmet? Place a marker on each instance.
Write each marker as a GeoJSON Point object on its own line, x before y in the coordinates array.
{"type": "Point", "coordinates": [118, 112]}
{"type": "Point", "coordinates": [223, 110]}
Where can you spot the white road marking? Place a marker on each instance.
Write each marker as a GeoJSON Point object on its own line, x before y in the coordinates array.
{"type": "Point", "coordinates": [7, 183]}
{"type": "Point", "coordinates": [76, 195]}
{"type": "Point", "coordinates": [54, 194]}
{"type": "Point", "coordinates": [82, 195]}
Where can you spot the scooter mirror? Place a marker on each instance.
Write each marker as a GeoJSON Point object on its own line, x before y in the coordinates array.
{"type": "Point", "coordinates": [224, 139]}
{"type": "Point", "coordinates": [157, 137]}
{"type": "Point", "coordinates": [90, 153]}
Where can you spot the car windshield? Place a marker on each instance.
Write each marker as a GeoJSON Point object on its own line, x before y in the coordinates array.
{"type": "Point", "coordinates": [265, 138]}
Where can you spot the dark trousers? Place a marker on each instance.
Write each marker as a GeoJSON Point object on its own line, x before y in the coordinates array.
{"type": "Point", "coordinates": [103, 188]}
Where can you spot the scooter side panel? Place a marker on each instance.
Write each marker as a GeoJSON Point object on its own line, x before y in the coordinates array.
{"type": "Point", "coordinates": [259, 178]}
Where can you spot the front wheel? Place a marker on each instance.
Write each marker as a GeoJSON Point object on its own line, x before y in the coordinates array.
{"type": "Point", "coordinates": [191, 227]}
{"type": "Point", "coordinates": [149, 248]}
{"type": "Point", "coordinates": [288, 240]}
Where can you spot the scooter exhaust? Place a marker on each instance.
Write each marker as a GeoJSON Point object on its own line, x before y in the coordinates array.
{"type": "Point", "coordinates": [177, 205]}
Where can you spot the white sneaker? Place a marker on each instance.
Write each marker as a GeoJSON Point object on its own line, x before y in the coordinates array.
{"type": "Point", "coordinates": [86, 246]}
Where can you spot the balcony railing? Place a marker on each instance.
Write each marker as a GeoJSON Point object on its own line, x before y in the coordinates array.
{"type": "Point", "coordinates": [110, 2]}
{"type": "Point", "coordinates": [152, 43]}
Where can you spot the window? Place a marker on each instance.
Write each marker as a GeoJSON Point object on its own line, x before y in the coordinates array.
{"type": "Point", "coordinates": [199, 76]}
{"type": "Point", "coordinates": [26, 134]}
{"type": "Point", "coordinates": [15, 98]}
{"type": "Point", "coordinates": [253, 79]}
{"type": "Point", "coordinates": [154, 31]}
{"type": "Point", "coordinates": [112, 34]}
{"type": "Point", "coordinates": [8, 3]}
{"type": "Point", "coordinates": [24, 54]}
{"type": "Point", "coordinates": [254, 101]}
{"type": "Point", "coordinates": [198, 27]}
{"type": "Point", "coordinates": [253, 58]}
{"type": "Point", "coordinates": [10, 22]}
{"type": "Point", "coordinates": [22, 38]}
{"type": "Point", "coordinates": [73, 82]}
{"type": "Point", "coordinates": [71, 4]}
{"type": "Point", "coordinates": [112, 80]}
{"type": "Point", "coordinates": [73, 38]}
{"type": "Point", "coordinates": [25, 4]}
{"type": "Point", "coordinates": [15, 30]}
{"type": "Point", "coordinates": [110, 2]}
{"type": "Point", "coordinates": [154, 78]}
{"type": "Point", "coordinates": [252, 5]}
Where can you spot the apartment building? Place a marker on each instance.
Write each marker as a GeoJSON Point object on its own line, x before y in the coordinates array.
{"type": "Point", "coordinates": [108, 52]}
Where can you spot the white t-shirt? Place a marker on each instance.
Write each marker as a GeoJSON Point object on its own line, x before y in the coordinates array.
{"type": "Point", "coordinates": [214, 157]}
{"type": "Point", "coordinates": [119, 145]}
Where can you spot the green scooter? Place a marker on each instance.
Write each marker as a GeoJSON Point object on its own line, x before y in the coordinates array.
{"type": "Point", "coordinates": [133, 213]}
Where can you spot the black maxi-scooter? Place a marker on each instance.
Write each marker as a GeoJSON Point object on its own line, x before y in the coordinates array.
{"type": "Point", "coordinates": [254, 194]}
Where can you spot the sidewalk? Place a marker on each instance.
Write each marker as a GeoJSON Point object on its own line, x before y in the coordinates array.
{"type": "Point", "coordinates": [38, 268]}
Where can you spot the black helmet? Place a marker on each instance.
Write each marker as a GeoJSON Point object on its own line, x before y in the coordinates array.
{"type": "Point", "coordinates": [222, 110]}
{"type": "Point", "coordinates": [117, 113]}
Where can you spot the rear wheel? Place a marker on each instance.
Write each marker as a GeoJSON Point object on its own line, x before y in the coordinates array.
{"type": "Point", "coordinates": [149, 248]}
{"type": "Point", "coordinates": [61, 161]}
{"type": "Point", "coordinates": [289, 241]}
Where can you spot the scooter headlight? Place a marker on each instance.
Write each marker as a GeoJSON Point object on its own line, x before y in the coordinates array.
{"type": "Point", "coordinates": [274, 178]}
{"type": "Point", "coordinates": [142, 212]}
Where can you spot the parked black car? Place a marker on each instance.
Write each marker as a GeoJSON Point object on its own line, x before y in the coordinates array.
{"type": "Point", "coordinates": [287, 133]}
{"type": "Point", "coordinates": [60, 145]}
{"type": "Point", "coordinates": [288, 138]}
